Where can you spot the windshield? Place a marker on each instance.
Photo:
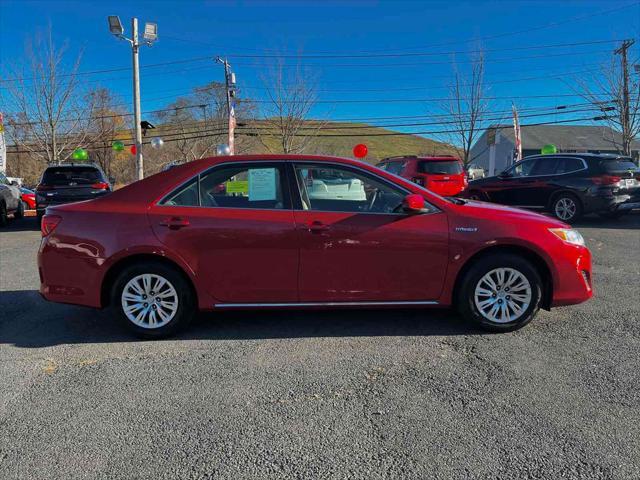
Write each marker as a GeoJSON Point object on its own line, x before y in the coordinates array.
{"type": "Point", "coordinates": [446, 167]}
{"type": "Point", "coordinates": [71, 176]}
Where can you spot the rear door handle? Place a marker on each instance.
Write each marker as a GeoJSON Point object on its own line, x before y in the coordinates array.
{"type": "Point", "coordinates": [175, 223]}
{"type": "Point", "coordinates": [317, 227]}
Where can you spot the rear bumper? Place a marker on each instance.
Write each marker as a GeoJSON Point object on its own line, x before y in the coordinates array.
{"type": "Point", "coordinates": [607, 201]}
{"type": "Point", "coordinates": [66, 277]}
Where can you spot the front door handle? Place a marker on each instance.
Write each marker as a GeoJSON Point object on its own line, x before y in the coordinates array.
{"type": "Point", "coordinates": [175, 223]}
{"type": "Point", "coordinates": [317, 227]}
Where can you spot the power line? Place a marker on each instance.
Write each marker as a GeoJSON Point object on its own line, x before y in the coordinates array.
{"type": "Point", "coordinates": [573, 19]}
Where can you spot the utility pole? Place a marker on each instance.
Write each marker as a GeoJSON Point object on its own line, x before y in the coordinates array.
{"type": "Point", "coordinates": [626, 127]}
{"type": "Point", "coordinates": [230, 88]}
{"type": "Point", "coordinates": [150, 35]}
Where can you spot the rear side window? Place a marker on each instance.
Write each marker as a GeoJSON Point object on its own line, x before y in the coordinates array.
{"type": "Point", "coordinates": [567, 165]}
{"type": "Point", "coordinates": [71, 176]}
{"type": "Point", "coordinates": [544, 166]}
{"type": "Point", "coordinates": [617, 165]}
{"type": "Point", "coordinates": [234, 186]}
{"type": "Point", "coordinates": [447, 167]}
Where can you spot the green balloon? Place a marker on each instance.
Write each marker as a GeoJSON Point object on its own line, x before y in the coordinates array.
{"type": "Point", "coordinates": [80, 154]}
{"type": "Point", "coordinates": [549, 148]}
{"type": "Point", "coordinates": [118, 146]}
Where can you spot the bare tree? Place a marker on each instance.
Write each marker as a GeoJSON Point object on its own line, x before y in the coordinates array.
{"type": "Point", "coordinates": [606, 89]}
{"type": "Point", "coordinates": [50, 116]}
{"type": "Point", "coordinates": [107, 126]}
{"type": "Point", "coordinates": [467, 107]}
{"type": "Point", "coordinates": [291, 96]}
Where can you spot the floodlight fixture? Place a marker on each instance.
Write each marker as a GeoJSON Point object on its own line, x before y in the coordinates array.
{"type": "Point", "coordinates": [150, 32]}
{"type": "Point", "coordinates": [115, 25]}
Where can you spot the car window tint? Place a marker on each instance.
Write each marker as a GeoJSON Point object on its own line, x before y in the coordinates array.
{"type": "Point", "coordinates": [447, 167]}
{"type": "Point", "coordinates": [522, 169]}
{"type": "Point", "coordinates": [617, 165]}
{"type": "Point", "coordinates": [242, 186]}
{"type": "Point", "coordinates": [544, 166]}
{"type": "Point", "coordinates": [185, 196]}
{"type": "Point", "coordinates": [395, 167]}
{"type": "Point", "coordinates": [567, 165]}
{"type": "Point", "coordinates": [334, 189]}
{"type": "Point", "coordinates": [71, 175]}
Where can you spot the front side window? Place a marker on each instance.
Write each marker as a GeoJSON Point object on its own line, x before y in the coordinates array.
{"type": "Point", "coordinates": [336, 189]}
{"type": "Point", "coordinates": [233, 186]}
{"type": "Point", "coordinates": [522, 169]}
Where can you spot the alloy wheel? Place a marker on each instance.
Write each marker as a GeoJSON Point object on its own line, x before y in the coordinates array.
{"type": "Point", "coordinates": [565, 208]}
{"type": "Point", "coordinates": [149, 301]}
{"type": "Point", "coordinates": [503, 295]}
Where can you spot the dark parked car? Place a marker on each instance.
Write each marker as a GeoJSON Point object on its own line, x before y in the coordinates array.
{"type": "Point", "coordinates": [68, 183]}
{"type": "Point", "coordinates": [9, 200]}
{"type": "Point", "coordinates": [567, 185]}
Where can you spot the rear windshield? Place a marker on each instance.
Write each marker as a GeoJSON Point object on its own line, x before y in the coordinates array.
{"type": "Point", "coordinates": [618, 164]}
{"type": "Point", "coordinates": [71, 175]}
{"type": "Point", "coordinates": [445, 167]}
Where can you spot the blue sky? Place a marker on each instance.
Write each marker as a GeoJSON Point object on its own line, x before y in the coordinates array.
{"type": "Point", "coordinates": [189, 29]}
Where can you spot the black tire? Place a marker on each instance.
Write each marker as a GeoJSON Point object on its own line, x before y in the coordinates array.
{"type": "Point", "coordinates": [20, 211]}
{"type": "Point", "coordinates": [566, 199]}
{"type": "Point", "coordinates": [466, 299]}
{"type": "Point", "coordinates": [185, 298]}
{"type": "Point", "coordinates": [4, 218]}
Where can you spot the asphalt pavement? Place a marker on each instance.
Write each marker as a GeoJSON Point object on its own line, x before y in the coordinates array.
{"type": "Point", "coordinates": [408, 394]}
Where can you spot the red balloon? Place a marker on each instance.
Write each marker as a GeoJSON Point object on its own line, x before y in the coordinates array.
{"type": "Point", "coordinates": [133, 149]}
{"type": "Point", "coordinates": [360, 150]}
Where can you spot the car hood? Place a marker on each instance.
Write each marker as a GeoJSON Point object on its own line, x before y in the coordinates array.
{"type": "Point", "coordinates": [492, 211]}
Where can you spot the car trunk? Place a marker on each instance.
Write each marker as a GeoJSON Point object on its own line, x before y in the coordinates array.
{"type": "Point", "coordinates": [443, 177]}
{"type": "Point", "coordinates": [624, 169]}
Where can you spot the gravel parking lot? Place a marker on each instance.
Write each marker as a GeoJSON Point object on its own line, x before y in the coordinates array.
{"type": "Point", "coordinates": [342, 394]}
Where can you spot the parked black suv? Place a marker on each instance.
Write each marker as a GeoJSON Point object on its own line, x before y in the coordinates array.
{"type": "Point", "coordinates": [567, 185]}
{"type": "Point", "coordinates": [68, 183]}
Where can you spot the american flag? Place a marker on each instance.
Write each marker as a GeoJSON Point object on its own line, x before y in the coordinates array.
{"type": "Point", "coordinates": [517, 151]}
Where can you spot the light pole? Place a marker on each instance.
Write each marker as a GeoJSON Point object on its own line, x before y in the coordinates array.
{"type": "Point", "coordinates": [150, 35]}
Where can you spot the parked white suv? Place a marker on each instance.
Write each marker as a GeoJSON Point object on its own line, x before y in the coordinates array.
{"type": "Point", "coordinates": [9, 200]}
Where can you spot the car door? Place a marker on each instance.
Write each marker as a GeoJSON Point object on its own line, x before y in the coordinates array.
{"type": "Point", "coordinates": [356, 245]}
{"type": "Point", "coordinates": [537, 187]}
{"type": "Point", "coordinates": [508, 186]}
{"type": "Point", "coordinates": [234, 225]}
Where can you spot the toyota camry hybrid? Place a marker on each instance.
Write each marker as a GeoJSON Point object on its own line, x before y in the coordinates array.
{"type": "Point", "coordinates": [268, 231]}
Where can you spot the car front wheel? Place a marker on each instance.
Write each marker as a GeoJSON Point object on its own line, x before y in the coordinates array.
{"type": "Point", "coordinates": [153, 300]}
{"type": "Point", "coordinates": [501, 293]}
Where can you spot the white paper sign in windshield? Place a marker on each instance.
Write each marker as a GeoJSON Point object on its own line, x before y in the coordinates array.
{"type": "Point", "coordinates": [262, 184]}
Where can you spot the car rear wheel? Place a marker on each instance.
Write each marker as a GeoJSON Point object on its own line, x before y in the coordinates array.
{"type": "Point", "coordinates": [566, 207]}
{"type": "Point", "coordinates": [501, 293]}
{"type": "Point", "coordinates": [153, 300]}
{"type": "Point", "coordinates": [20, 211]}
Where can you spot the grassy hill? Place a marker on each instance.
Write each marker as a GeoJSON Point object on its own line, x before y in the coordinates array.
{"type": "Point", "coordinates": [379, 146]}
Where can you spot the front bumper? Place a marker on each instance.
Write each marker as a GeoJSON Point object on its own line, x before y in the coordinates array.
{"type": "Point", "coordinates": [573, 282]}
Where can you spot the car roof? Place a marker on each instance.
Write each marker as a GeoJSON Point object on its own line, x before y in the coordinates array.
{"type": "Point", "coordinates": [68, 165]}
{"type": "Point", "coordinates": [583, 155]}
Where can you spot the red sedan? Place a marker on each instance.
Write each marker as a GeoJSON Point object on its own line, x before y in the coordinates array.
{"type": "Point", "coordinates": [28, 198]}
{"type": "Point", "coordinates": [274, 231]}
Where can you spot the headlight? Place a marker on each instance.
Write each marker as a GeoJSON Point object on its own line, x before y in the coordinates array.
{"type": "Point", "coordinates": [568, 235]}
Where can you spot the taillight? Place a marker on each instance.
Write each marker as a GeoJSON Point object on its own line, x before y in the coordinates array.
{"type": "Point", "coordinates": [100, 186]}
{"type": "Point", "coordinates": [42, 188]}
{"type": "Point", "coordinates": [418, 180]}
{"type": "Point", "coordinates": [606, 180]}
{"type": "Point", "coordinates": [49, 224]}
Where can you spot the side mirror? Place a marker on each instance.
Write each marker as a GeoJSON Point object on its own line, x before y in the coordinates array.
{"type": "Point", "coordinates": [413, 203]}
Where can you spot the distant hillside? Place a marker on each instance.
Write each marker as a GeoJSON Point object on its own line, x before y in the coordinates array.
{"type": "Point", "coordinates": [379, 146]}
